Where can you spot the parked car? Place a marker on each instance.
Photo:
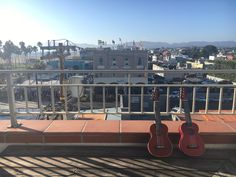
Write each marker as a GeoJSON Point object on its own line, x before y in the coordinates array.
{"type": "Point", "coordinates": [177, 110]}
{"type": "Point", "coordinates": [174, 94]}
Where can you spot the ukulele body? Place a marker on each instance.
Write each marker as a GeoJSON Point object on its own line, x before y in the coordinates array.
{"type": "Point", "coordinates": [159, 144]}
{"type": "Point", "coordinates": [190, 143]}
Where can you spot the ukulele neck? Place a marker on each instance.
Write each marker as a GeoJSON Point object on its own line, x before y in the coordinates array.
{"type": "Point", "coordinates": [157, 114]}
{"type": "Point", "coordinates": [187, 114]}
{"type": "Point", "coordinates": [156, 96]}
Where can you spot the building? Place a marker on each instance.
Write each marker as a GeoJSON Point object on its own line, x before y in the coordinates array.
{"type": "Point", "coordinates": [168, 76]}
{"type": "Point", "coordinates": [71, 64]}
{"type": "Point", "coordinates": [196, 64]}
{"type": "Point", "coordinates": [124, 59]}
{"type": "Point", "coordinates": [230, 56]}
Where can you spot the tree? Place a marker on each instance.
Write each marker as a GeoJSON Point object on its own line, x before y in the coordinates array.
{"type": "Point", "coordinates": [23, 48]}
{"type": "Point", "coordinates": [222, 64]}
{"type": "Point", "coordinates": [209, 50]}
{"type": "Point", "coordinates": [39, 44]}
{"type": "Point", "coordinates": [29, 50]}
{"type": "Point", "coordinates": [39, 65]}
{"type": "Point", "coordinates": [9, 48]}
{"type": "Point", "coordinates": [35, 50]}
{"type": "Point", "coordinates": [193, 52]}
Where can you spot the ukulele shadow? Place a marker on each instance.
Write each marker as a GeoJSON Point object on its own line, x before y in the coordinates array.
{"type": "Point", "coordinates": [213, 162]}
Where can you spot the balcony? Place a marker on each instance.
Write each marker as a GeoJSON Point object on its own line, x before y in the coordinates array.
{"type": "Point", "coordinates": [216, 120]}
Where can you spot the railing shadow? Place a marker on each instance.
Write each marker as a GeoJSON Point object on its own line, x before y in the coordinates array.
{"type": "Point", "coordinates": [112, 161]}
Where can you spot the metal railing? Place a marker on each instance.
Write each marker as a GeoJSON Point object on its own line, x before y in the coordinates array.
{"type": "Point", "coordinates": [121, 102]}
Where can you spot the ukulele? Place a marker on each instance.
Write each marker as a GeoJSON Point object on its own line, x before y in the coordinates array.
{"type": "Point", "coordinates": [190, 143]}
{"type": "Point", "coordinates": [159, 144]}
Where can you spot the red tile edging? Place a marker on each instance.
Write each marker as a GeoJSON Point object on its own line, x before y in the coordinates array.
{"type": "Point", "coordinates": [94, 131]}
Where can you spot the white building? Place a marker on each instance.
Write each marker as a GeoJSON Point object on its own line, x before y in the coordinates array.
{"type": "Point", "coordinates": [170, 76]}
{"type": "Point", "coordinates": [212, 57]}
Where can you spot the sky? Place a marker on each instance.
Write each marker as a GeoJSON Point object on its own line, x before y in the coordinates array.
{"type": "Point", "coordinates": [86, 21]}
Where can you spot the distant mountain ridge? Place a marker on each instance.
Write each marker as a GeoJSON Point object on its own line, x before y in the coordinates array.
{"type": "Point", "coordinates": [151, 45]}
{"type": "Point", "coordinates": [148, 44]}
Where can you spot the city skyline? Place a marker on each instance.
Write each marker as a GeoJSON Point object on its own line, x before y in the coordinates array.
{"type": "Point", "coordinates": [88, 21]}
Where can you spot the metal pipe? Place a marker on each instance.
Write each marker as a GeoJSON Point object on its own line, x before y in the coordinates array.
{"type": "Point", "coordinates": [168, 100]}
{"type": "Point", "coordinates": [207, 99]}
{"type": "Point", "coordinates": [11, 101]}
{"type": "Point", "coordinates": [142, 90]}
{"type": "Point", "coordinates": [234, 100]}
{"type": "Point", "coordinates": [220, 100]}
{"type": "Point", "coordinates": [103, 99]}
{"type": "Point", "coordinates": [194, 100]}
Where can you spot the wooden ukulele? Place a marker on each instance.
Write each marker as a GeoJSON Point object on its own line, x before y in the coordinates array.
{"type": "Point", "coordinates": [190, 143]}
{"type": "Point", "coordinates": [159, 144]}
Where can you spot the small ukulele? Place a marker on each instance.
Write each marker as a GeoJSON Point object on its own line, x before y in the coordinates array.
{"type": "Point", "coordinates": [159, 144]}
{"type": "Point", "coordinates": [190, 143]}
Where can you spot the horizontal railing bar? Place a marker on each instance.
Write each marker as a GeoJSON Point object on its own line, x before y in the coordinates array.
{"type": "Point", "coordinates": [128, 85]}
{"type": "Point", "coordinates": [121, 113]}
{"type": "Point", "coordinates": [144, 113]}
{"type": "Point", "coordinates": [119, 71]}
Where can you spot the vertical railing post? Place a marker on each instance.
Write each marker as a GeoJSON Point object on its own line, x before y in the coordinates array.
{"type": "Point", "coordinates": [168, 99]}
{"type": "Point", "coordinates": [234, 100]}
{"type": "Point", "coordinates": [180, 101]}
{"type": "Point", "coordinates": [11, 101]}
{"type": "Point", "coordinates": [220, 100]}
{"type": "Point", "coordinates": [194, 100]}
{"type": "Point", "coordinates": [142, 99]}
{"type": "Point", "coordinates": [104, 99]}
{"type": "Point", "coordinates": [207, 99]}
{"type": "Point", "coordinates": [129, 93]}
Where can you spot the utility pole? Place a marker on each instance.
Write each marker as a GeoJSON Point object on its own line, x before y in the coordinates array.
{"type": "Point", "coordinates": [58, 51]}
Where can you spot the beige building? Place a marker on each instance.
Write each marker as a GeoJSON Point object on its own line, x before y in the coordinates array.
{"type": "Point", "coordinates": [125, 59]}
{"type": "Point", "coordinates": [196, 64]}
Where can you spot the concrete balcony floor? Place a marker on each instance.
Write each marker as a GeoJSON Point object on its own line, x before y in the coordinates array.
{"type": "Point", "coordinates": [111, 161]}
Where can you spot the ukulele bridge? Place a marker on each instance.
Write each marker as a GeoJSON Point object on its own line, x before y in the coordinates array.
{"type": "Point", "coordinates": [192, 146]}
{"type": "Point", "coordinates": [160, 147]}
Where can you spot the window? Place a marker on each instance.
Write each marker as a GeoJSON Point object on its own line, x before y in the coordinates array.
{"type": "Point", "coordinates": [114, 62]}
{"type": "Point", "coordinates": [100, 61]}
{"type": "Point", "coordinates": [139, 61]}
{"type": "Point", "coordinates": [126, 61]}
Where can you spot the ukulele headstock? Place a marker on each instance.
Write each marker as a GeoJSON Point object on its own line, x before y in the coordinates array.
{"type": "Point", "coordinates": [183, 91]}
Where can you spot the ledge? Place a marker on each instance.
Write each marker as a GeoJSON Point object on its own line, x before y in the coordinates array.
{"type": "Point", "coordinates": [95, 131]}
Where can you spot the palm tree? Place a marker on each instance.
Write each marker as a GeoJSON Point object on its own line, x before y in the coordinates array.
{"type": "Point", "coordinates": [35, 49]}
{"type": "Point", "coordinates": [39, 44]}
{"type": "Point", "coordinates": [23, 48]}
{"type": "Point", "coordinates": [29, 50]}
